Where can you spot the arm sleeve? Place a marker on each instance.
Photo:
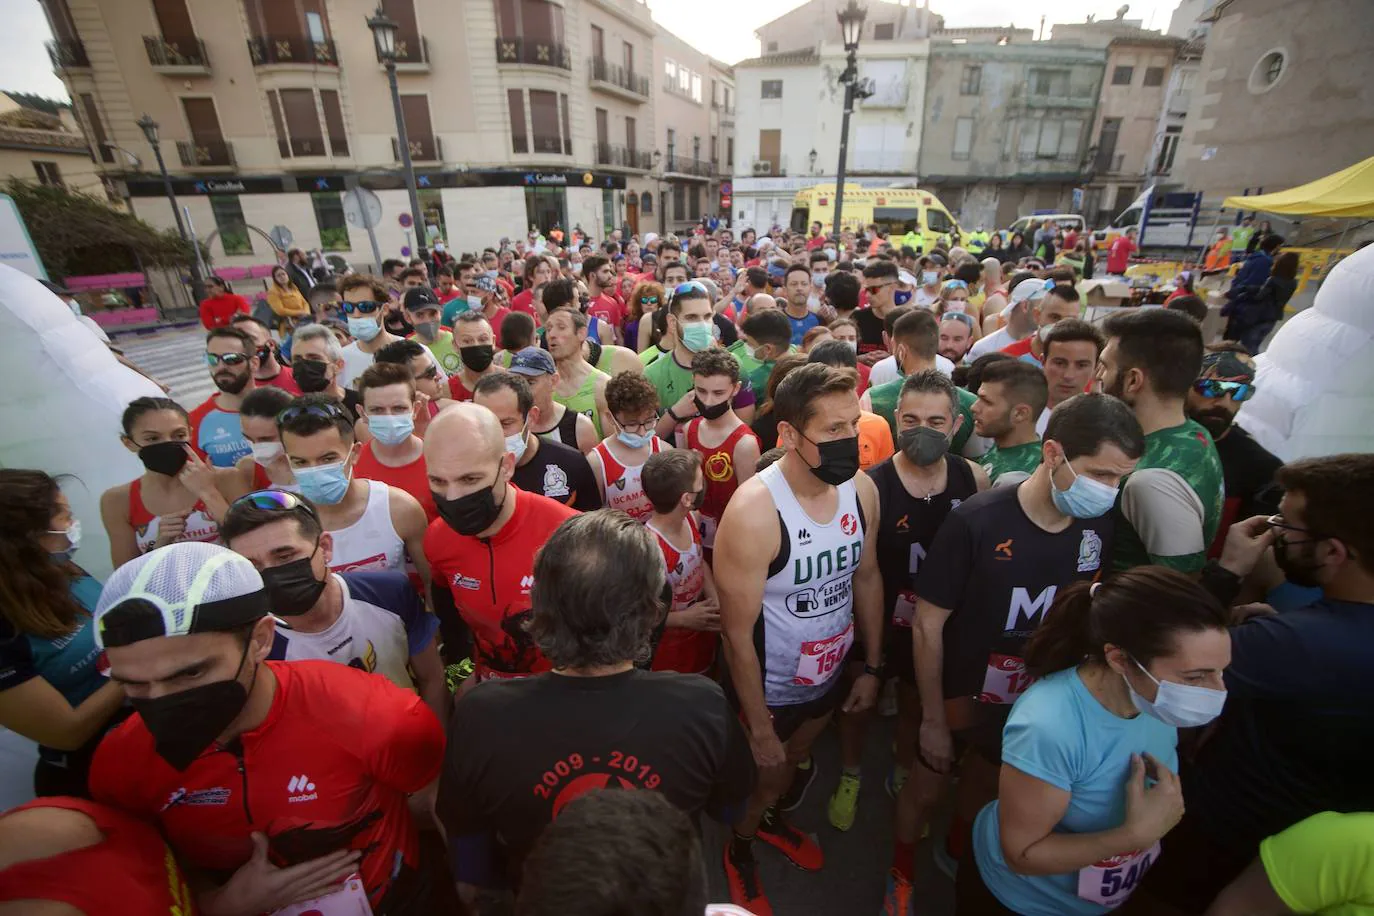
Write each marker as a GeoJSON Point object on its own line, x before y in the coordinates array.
{"type": "Point", "coordinates": [942, 575]}
{"type": "Point", "coordinates": [1033, 742]}
{"type": "Point", "coordinates": [1319, 864]}
{"type": "Point", "coordinates": [1168, 516]}
{"type": "Point", "coordinates": [405, 740]}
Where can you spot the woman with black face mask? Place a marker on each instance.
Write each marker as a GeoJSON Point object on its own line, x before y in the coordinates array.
{"type": "Point", "coordinates": [51, 690]}
{"type": "Point", "coordinates": [175, 499]}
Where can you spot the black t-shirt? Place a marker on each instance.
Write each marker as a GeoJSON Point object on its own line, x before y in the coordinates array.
{"type": "Point", "coordinates": [728, 333]}
{"type": "Point", "coordinates": [998, 572]}
{"type": "Point", "coordinates": [871, 329]}
{"type": "Point", "coordinates": [560, 473]}
{"type": "Point", "coordinates": [657, 730]}
{"type": "Point", "coordinates": [1295, 735]}
{"type": "Point", "coordinates": [1249, 471]}
{"type": "Point", "coordinates": [765, 426]}
{"type": "Point", "coordinates": [906, 530]}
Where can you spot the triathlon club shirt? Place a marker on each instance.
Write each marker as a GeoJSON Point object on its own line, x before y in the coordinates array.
{"type": "Point", "coordinates": [491, 579]}
{"type": "Point", "coordinates": [638, 730]}
{"type": "Point", "coordinates": [997, 572]}
{"type": "Point", "coordinates": [682, 649]}
{"type": "Point", "coordinates": [1170, 506]}
{"type": "Point", "coordinates": [328, 769]}
{"type": "Point", "coordinates": [218, 434]}
{"type": "Point", "coordinates": [673, 380]}
{"type": "Point", "coordinates": [382, 624]}
{"type": "Point", "coordinates": [561, 473]}
{"type": "Point", "coordinates": [1010, 466]}
{"type": "Point", "coordinates": [624, 482]}
{"type": "Point", "coordinates": [722, 477]}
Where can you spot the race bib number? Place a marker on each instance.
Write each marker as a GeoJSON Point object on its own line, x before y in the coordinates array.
{"type": "Point", "coordinates": [1006, 679]}
{"type": "Point", "coordinates": [821, 660]}
{"type": "Point", "coordinates": [904, 611]}
{"type": "Point", "coordinates": [348, 900]}
{"type": "Point", "coordinates": [1109, 882]}
{"type": "Point", "coordinates": [708, 531]}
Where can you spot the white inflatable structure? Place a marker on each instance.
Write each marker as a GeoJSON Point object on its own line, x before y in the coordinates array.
{"type": "Point", "coordinates": [1315, 386]}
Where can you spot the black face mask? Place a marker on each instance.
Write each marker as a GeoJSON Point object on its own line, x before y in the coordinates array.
{"type": "Point", "coordinates": [713, 411]}
{"type": "Point", "coordinates": [839, 460]}
{"type": "Point", "coordinates": [477, 358]}
{"type": "Point", "coordinates": [265, 353]}
{"type": "Point", "coordinates": [396, 323]}
{"type": "Point", "coordinates": [293, 587]}
{"type": "Point", "coordinates": [164, 457]}
{"type": "Point", "coordinates": [312, 375]}
{"type": "Point", "coordinates": [698, 501]}
{"type": "Point", "coordinates": [1300, 569]}
{"type": "Point", "coordinates": [472, 513]}
{"type": "Point", "coordinates": [184, 724]}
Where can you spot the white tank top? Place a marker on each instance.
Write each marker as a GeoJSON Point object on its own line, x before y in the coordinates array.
{"type": "Point", "coordinates": [808, 600]}
{"type": "Point", "coordinates": [370, 543]}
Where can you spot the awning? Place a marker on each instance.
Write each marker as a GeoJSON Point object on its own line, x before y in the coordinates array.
{"type": "Point", "coordinates": [1347, 193]}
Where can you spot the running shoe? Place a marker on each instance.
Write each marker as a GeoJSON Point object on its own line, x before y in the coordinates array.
{"type": "Point", "coordinates": [801, 781]}
{"type": "Point", "coordinates": [800, 848]}
{"type": "Point", "coordinates": [844, 804]}
{"type": "Point", "coordinates": [898, 900]}
{"type": "Point", "coordinates": [456, 673]}
{"type": "Point", "coordinates": [746, 891]}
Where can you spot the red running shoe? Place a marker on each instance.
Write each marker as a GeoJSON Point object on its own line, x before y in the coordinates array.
{"type": "Point", "coordinates": [803, 851]}
{"type": "Point", "coordinates": [746, 890]}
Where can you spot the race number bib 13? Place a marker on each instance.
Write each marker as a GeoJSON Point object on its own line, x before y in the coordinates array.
{"type": "Point", "coordinates": [904, 611]}
{"type": "Point", "coordinates": [1109, 882]}
{"type": "Point", "coordinates": [1006, 679]}
{"type": "Point", "coordinates": [821, 660]}
{"type": "Point", "coordinates": [348, 900]}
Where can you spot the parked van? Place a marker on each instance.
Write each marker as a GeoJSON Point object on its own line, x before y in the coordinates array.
{"type": "Point", "coordinates": [1065, 221]}
{"type": "Point", "coordinates": [896, 211]}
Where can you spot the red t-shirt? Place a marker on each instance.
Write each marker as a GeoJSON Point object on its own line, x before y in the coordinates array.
{"type": "Point", "coordinates": [495, 322]}
{"type": "Point", "coordinates": [219, 311]}
{"type": "Point", "coordinates": [524, 302]}
{"type": "Point", "coordinates": [608, 309]}
{"type": "Point", "coordinates": [283, 380]}
{"type": "Point", "coordinates": [130, 872]}
{"type": "Point", "coordinates": [457, 390]}
{"type": "Point", "coordinates": [408, 477]}
{"type": "Point", "coordinates": [446, 297]}
{"type": "Point", "coordinates": [816, 241]}
{"type": "Point", "coordinates": [1119, 255]}
{"type": "Point", "coordinates": [329, 768]}
{"type": "Point", "coordinates": [1022, 350]}
{"type": "Point", "coordinates": [491, 581]}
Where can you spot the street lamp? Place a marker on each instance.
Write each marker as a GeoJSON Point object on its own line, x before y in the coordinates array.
{"type": "Point", "coordinates": [149, 128]}
{"type": "Point", "coordinates": [384, 30]}
{"type": "Point", "coordinates": [851, 24]}
{"type": "Point", "coordinates": [811, 156]}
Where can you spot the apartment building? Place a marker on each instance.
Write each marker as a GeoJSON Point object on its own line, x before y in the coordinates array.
{"type": "Point", "coordinates": [1007, 122]}
{"type": "Point", "coordinates": [694, 103]}
{"type": "Point", "coordinates": [45, 148]}
{"type": "Point", "coordinates": [519, 114]}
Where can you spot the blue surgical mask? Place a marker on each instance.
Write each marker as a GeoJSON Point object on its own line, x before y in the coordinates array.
{"type": "Point", "coordinates": [901, 296]}
{"type": "Point", "coordinates": [930, 277]}
{"type": "Point", "coordinates": [391, 429]}
{"type": "Point", "coordinates": [518, 444]}
{"type": "Point", "coordinates": [697, 336]}
{"type": "Point", "coordinates": [1084, 498]}
{"type": "Point", "coordinates": [1179, 705]}
{"type": "Point", "coordinates": [474, 303]}
{"type": "Point", "coordinates": [363, 328]}
{"type": "Point", "coordinates": [635, 440]}
{"type": "Point", "coordinates": [327, 484]}
{"type": "Point", "coordinates": [818, 278]}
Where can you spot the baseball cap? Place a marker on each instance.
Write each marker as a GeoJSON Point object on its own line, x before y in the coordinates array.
{"type": "Point", "coordinates": [486, 284]}
{"type": "Point", "coordinates": [906, 278]}
{"type": "Point", "coordinates": [420, 297]}
{"type": "Point", "coordinates": [1030, 290]}
{"type": "Point", "coordinates": [177, 590]}
{"type": "Point", "coordinates": [532, 362]}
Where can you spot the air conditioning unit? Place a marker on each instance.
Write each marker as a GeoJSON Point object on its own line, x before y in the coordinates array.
{"type": "Point", "coordinates": [763, 167]}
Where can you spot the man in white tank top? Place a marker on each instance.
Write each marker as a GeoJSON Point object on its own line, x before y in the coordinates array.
{"type": "Point", "coordinates": [796, 570]}
{"type": "Point", "coordinates": [373, 526]}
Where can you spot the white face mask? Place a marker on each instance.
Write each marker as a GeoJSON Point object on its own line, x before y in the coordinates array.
{"type": "Point", "coordinates": [1179, 705]}
{"type": "Point", "coordinates": [265, 453]}
{"type": "Point", "coordinates": [517, 444]}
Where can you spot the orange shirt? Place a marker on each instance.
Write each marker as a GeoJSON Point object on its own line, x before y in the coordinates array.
{"type": "Point", "coordinates": [875, 440]}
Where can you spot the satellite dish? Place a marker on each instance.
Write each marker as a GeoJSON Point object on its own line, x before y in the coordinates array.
{"type": "Point", "coordinates": [362, 208]}
{"type": "Point", "coordinates": [281, 237]}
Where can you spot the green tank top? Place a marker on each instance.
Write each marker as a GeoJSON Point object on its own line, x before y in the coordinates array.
{"type": "Point", "coordinates": [584, 399]}
{"type": "Point", "coordinates": [883, 400]}
{"type": "Point", "coordinates": [444, 351]}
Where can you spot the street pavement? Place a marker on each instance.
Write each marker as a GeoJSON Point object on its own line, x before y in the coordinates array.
{"type": "Point", "coordinates": [175, 357]}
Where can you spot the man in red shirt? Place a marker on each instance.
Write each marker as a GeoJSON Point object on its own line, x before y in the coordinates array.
{"type": "Point", "coordinates": [286, 778]}
{"type": "Point", "coordinates": [1119, 255]}
{"type": "Point", "coordinates": [220, 307]}
{"type": "Point", "coordinates": [1057, 304]}
{"type": "Point", "coordinates": [600, 277]}
{"type": "Point", "coordinates": [216, 431]}
{"type": "Point", "coordinates": [485, 540]}
{"type": "Point", "coordinates": [393, 453]}
{"type": "Point", "coordinates": [270, 371]}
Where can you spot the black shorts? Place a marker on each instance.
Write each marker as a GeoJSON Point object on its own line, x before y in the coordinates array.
{"type": "Point", "coordinates": [788, 719]}
{"type": "Point", "coordinates": [901, 654]}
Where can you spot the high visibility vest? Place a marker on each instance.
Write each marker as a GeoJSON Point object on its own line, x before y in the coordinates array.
{"type": "Point", "coordinates": [977, 241]}
{"type": "Point", "coordinates": [914, 239]}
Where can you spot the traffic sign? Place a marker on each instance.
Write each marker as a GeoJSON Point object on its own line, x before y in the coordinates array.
{"type": "Point", "coordinates": [281, 237]}
{"type": "Point", "coordinates": [405, 220]}
{"type": "Point", "coordinates": [362, 208]}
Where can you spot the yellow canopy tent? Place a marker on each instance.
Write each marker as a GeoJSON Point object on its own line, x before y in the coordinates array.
{"type": "Point", "coordinates": [1347, 193]}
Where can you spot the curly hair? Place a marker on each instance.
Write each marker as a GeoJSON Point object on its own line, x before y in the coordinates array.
{"type": "Point", "coordinates": [630, 392]}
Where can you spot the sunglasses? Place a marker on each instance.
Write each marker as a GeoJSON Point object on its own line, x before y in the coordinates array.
{"type": "Point", "coordinates": [325, 411]}
{"type": "Point", "coordinates": [429, 374]}
{"type": "Point", "coordinates": [229, 359]}
{"type": "Point", "coordinates": [690, 286]}
{"type": "Point", "coordinates": [276, 501]}
{"type": "Point", "coordinates": [1215, 388]}
{"type": "Point", "coordinates": [362, 308]}
{"type": "Point", "coordinates": [874, 290]}
{"type": "Point", "coordinates": [649, 300]}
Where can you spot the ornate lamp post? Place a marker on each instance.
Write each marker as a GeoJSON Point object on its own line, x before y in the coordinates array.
{"type": "Point", "coordinates": [851, 25]}
{"type": "Point", "coordinates": [150, 131]}
{"type": "Point", "coordinates": [384, 30]}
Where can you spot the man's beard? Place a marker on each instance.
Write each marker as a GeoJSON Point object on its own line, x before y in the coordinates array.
{"type": "Point", "coordinates": [231, 384]}
{"type": "Point", "coordinates": [1116, 389]}
{"type": "Point", "coordinates": [1216, 421]}
{"type": "Point", "coordinates": [953, 355]}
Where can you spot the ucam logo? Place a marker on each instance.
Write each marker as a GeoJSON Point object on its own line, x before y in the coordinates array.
{"type": "Point", "coordinates": [1025, 612]}
{"type": "Point", "coordinates": [300, 789]}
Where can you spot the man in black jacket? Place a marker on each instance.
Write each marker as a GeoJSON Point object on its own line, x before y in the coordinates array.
{"type": "Point", "coordinates": [298, 269]}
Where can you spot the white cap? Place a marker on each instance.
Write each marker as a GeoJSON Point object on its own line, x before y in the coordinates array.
{"type": "Point", "coordinates": [907, 279]}
{"type": "Point", "coordinates": [1031, 289]}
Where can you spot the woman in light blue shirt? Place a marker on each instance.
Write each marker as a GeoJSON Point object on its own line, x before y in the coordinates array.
{"type": "Point", "coordinates": [1089, 758]}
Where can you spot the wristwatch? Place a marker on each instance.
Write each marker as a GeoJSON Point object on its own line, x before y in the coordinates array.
{"type": "Point", "coordinates": [675, 417]}
{"type": "Point", "coordinates": [876, 672]}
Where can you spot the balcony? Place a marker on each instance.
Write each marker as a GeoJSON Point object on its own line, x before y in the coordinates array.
{"type": "Point", "coordinates": [183, 57]}
{"type": "Point", "coordinates": [303, 147]}
{"type": "Point", "coordinates": [673, 87]}
{"type": "Point", "coordinates": [616, 80]}
{"type": "Point", "coordinates": [295, 49]}
{"type": "Point", "coordinates": [68, 54]}
{"type": "Point", "coordinates": [552, 144]}
{"type": "Point", "coordinates": [531, 52]}
{"type": "Point", "coordinates": [411, 53]}
{"type": "Point", "coordinates": [200, 154]}
{"type": "Point", "coordinates": [683, 165]}
{"type": "Point", "coordinates": [623, 157]}
{"type": "Point", "coordinates": [764, 166]}
{"type": "Point", "coordinates": [1179, 102]}
{"type": "Point", "coordinates": [422, 149]}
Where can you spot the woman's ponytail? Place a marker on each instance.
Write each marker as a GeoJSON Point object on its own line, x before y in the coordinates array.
{"type": "Point", "coordinates": [1064, 637]}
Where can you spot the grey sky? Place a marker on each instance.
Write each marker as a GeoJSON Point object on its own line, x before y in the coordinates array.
{"type": "Point", "coordinates": [722, 28]}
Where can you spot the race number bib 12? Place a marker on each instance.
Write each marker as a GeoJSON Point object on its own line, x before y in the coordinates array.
{"type": "Point", "coordinates": [348, 900]}
{"type": "Point", "coordinates": [1006, 679]}
{"type": "Point", "coordinates": [904, 610]}
{"type": "Point", "coordinates": [1109, 882]}
{"type": "Point", "coordinates": [819, 661]}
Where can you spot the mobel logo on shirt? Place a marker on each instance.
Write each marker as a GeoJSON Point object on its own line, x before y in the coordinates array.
{"type": "Point", "coordinates": [300, 789]}
{"type": "Point", "coordinates": [1026, 613]}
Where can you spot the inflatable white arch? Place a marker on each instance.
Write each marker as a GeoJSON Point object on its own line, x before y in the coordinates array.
{"type": "Point", "coordinates": [1315, 386]}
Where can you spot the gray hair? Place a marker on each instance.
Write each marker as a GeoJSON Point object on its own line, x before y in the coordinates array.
{"type": "Point", "coordinates": [597, 595]}
{"type": "Point", "coordinates": [319, 332]}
